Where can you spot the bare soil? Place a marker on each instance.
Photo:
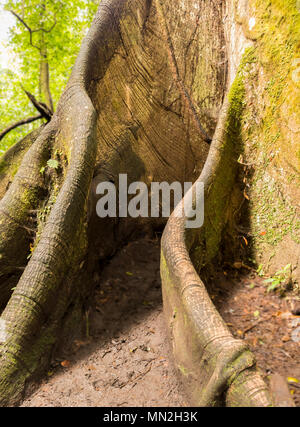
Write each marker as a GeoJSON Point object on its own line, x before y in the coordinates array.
{"type": "Point", "coordinates": [125, 360]}
{"type": "Point", "coordinates": [265, 321]}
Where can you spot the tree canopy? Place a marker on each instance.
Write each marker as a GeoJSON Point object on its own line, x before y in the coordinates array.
{"type": "Point", "coordinates": [45, 33]}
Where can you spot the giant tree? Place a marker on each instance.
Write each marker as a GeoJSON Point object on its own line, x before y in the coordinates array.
{"type": "Point", "coordinates": [162, 91]}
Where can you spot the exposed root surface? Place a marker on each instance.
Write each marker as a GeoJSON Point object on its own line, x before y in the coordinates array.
{"type": "Point", "coordinates": [126, 360]}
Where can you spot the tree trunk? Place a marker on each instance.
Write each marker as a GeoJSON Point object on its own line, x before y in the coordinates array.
{"type": "Point", "coordinates": [44, 80]}
{"type": "Point", "coordinates": [145, 102]}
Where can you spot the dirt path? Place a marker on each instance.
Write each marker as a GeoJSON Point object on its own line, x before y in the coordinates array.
{"type": "Point", "coordinates": [266, 322]}
{"type": "Point", "coordinates": [126, 360]}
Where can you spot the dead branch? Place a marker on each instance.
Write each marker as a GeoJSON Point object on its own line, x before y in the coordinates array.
{"type": "Point", "coordinates": [41, 107]}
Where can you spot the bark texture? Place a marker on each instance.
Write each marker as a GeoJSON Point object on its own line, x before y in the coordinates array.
{"type": "Point", "coordinates": [148, 93]}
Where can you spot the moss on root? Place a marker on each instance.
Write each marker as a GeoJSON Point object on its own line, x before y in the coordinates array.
{"type": "Point", "coordinates": [270, 128]}
{"type": "Point", "coordinates": [205, 246]}
{"type": "Point", "coordinates": [12, 158]}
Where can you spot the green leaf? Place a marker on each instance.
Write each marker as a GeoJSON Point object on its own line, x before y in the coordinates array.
{"type": "Point", "coordinates": [272, 287]}
{"type": "Point", "coordinates": [270, 280]}
{"type": "Point", "coordinates": [53, 164]}
{"type": "Point", "coordinates": [260, 270]}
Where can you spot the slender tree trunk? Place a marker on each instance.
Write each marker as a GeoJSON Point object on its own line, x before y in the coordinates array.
{"type": "Point", "coordinates": [44, 77]}
{"type": "Point", "coordinates": [45, 93]}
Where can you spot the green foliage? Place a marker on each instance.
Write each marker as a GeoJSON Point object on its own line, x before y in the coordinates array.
{"type": "Point", "coordinates": [64, 24]}
{"type": "Point", "coordinates": [14, 106]}
{"type": "Point", "coordinates": [53, 164]}
{"type": "Point", "coordinates": [260, 271]}
{"type": "Point", "coordinates": [281, 279]}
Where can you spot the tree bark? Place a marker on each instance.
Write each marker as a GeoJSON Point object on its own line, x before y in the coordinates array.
{"type": "Point", "coordinates": [44, 81]}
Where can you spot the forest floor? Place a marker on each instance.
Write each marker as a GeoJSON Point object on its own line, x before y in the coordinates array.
{"type": "Point", "coordinates": [125, 360]}
{"type": "Point", "coordinates": [266, 323]}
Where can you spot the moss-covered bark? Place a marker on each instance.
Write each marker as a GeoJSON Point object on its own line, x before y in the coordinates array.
{"type": "Point", "coordinates": [270, 134]}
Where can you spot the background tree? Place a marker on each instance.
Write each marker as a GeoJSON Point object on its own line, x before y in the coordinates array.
{"type": "Point", "coordinates": [45, 41]}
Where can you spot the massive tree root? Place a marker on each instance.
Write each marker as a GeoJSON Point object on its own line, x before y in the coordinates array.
{"type": "Point", "coordinates": [143, 102]}
{"type": "Point", "coordinates": [215, 367]}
